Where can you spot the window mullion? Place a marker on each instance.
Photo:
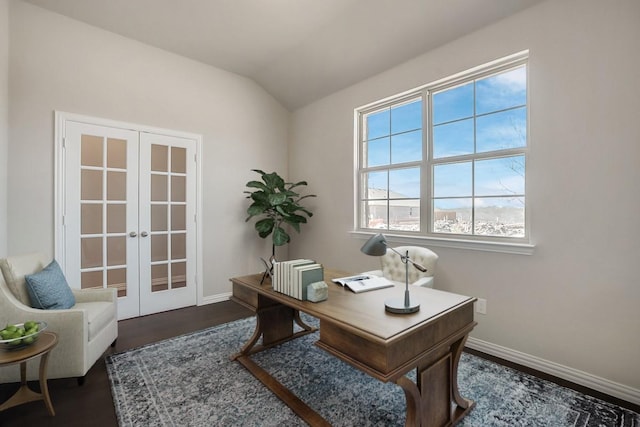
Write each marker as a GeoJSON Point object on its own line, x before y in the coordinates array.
{"type": "Point", "coordinates": [426, 188]}
{"type": "Point", "coordinates": [480, 156]}
{"type": "Point", "coordinates": [473, 198]}
{"type": "Point", "coordinates": [473, 162]}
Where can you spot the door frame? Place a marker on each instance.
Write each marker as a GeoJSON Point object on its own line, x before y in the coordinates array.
{"type": "Point", "coordinates": [60, 119]}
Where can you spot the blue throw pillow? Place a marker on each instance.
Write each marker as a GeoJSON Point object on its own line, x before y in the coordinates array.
{"type": "Point", "coordinates": [48, 289]}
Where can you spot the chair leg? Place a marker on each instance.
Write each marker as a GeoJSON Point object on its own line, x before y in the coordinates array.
{"type": "Point", "coordinates": [113, 344]}
{"type": "Point", "coordinates": [81, 380]}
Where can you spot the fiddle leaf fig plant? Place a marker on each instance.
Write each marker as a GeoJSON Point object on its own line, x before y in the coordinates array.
{"type": "Point", "coordinates": [275, 203]}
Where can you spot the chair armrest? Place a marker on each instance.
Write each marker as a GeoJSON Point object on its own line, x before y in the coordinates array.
{"type": "Point", "coordinates": [426, 282]}
{"type": "Point", "coordinates": [52, 317]}
{"type": "Point", "coordinates": [89, 295]}
{"type": "Point", "coordinates": [71, 325]}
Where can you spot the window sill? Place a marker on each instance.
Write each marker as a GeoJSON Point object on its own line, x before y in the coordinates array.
{"type": "Point", "coordinates": [475, 245]}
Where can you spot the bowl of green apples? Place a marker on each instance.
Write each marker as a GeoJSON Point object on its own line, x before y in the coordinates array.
{"type": "Point", "coordinates": [19, 335]}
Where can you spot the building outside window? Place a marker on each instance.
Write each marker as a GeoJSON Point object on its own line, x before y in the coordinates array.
{"type": "Point", "coordinates": [448, 159]}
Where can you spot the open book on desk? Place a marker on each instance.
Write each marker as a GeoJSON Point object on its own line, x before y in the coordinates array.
{"type": "Point", "coordinates": [363, 282]}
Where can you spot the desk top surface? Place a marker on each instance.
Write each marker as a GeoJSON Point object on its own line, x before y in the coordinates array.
{"type": "Point", "coordinates": [365, 312]}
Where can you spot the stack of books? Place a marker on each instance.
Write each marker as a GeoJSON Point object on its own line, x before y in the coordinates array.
{"type": "Point", "coordinates": [292, 277]}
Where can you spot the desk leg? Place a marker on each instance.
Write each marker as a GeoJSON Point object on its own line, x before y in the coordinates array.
{"type": "Point", "coordinates": [462, 405]}
{"type": "Point", "coordinates": [414, 402]}
{"type": "Point", "coordinates": [274, 325]}
{"type": "Point", "coordinates": [44, 389]}
{"type": "Point", "coordinates": [308, 328]}
{"type": "Point", "coordinates": [23, 374]}
{"type": "Point", "coordinates": [435, 399]}
{"type": "Point", "coordinates": [24, 394]}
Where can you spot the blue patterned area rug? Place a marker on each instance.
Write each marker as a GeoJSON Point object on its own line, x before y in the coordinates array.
{"type": "Point", "coordinates": [190, 381]}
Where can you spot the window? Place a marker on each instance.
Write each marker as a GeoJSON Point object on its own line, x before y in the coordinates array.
{"type": "Point", "coordinates": [448, 159]}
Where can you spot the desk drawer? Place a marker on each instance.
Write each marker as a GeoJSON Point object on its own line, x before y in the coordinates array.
{"type": "Point", "coordinates": [250, 298]}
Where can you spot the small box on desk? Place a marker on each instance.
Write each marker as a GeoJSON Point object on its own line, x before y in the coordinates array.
{"type": "Point", "coordinates": [317, 291]}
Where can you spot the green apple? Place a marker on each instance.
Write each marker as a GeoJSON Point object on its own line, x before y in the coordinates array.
{"type": "Point", "coordinates": [30, 324]}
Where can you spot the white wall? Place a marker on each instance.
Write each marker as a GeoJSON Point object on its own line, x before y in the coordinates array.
{"type": "Point", "coordinates": [573, 302]}
{"type": "Point", "coordinates": [60, 64]}
{"type": "Point", "coordinates": [4, 119]}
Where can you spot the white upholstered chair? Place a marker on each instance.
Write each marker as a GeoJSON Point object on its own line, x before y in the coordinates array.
{"type": "Point", "coordinates": [84, 331]}
{"type": "Point", "coordinates": [392, 267]}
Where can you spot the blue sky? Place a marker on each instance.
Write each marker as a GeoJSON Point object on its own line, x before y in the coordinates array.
{"type": "Point", "coordinates": [486, 115]}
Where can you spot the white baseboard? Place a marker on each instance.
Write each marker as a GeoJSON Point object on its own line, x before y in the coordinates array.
{"type": "Point", "coordinates": [215, 298]}
{"type": "Point", "coordinates": [600, 384]}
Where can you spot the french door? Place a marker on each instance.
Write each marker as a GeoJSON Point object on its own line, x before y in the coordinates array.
{"type": "Point", "coordinates": [129, 219]}
{"type": "Point", "coordinates": [166, 209]}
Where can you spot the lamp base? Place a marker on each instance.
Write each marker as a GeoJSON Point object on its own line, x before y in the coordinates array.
{"type": "Point", "coordinates": [397, 305]}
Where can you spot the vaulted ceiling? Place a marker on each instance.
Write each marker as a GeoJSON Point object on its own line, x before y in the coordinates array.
{"type": "Point", "coordinates": [297, 50]}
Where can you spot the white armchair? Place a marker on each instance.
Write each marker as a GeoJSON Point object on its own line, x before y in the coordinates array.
{"type": "Point", "coordinates": [393, 268]}
{"type": "Point", "coordinates": [84, 331]}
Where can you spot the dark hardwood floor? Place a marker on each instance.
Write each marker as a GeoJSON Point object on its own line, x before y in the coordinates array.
{"type": "Point", "coordinates": [92, 405]}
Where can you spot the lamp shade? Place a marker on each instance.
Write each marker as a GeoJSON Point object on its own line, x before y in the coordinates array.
{"type": "Point", "coordinates": [375, 246]}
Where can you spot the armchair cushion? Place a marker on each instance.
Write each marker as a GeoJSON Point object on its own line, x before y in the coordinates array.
{"type": "Point", "coordinates": [48, 289]}
{"type": "Point", "coordinates": [99, 314]}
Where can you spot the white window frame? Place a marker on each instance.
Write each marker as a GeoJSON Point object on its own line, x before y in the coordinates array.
{"type": "Point", "coordinates": [426, 236]}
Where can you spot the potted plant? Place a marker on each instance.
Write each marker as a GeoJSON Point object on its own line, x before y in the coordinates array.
{"type": "Point", "coordinates": [276, 203]}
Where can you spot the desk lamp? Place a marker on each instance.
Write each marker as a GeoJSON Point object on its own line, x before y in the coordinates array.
{"type": "Point", "coordinates": [377, 246]}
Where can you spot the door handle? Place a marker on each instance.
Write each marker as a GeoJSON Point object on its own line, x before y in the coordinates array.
{"type": "Point", "coordinates": [144, 234]}
{"type": "Point", "coordinates": [133, 234]}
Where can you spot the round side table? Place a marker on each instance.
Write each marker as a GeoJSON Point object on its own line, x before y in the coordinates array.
{"type": "Point", "coordinates": [41, 347]}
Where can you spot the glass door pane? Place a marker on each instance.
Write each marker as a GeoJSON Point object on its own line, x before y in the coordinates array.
{"type": "Point", "coordinates": [103, 198]}
{"type": "Point", "coordinates": [168, 209]}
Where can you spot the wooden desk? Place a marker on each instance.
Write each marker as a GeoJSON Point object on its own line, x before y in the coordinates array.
{"type": "Point", "coordinates": [356, 329]}
{"type": "Point", "coordinates": [45, 342]}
